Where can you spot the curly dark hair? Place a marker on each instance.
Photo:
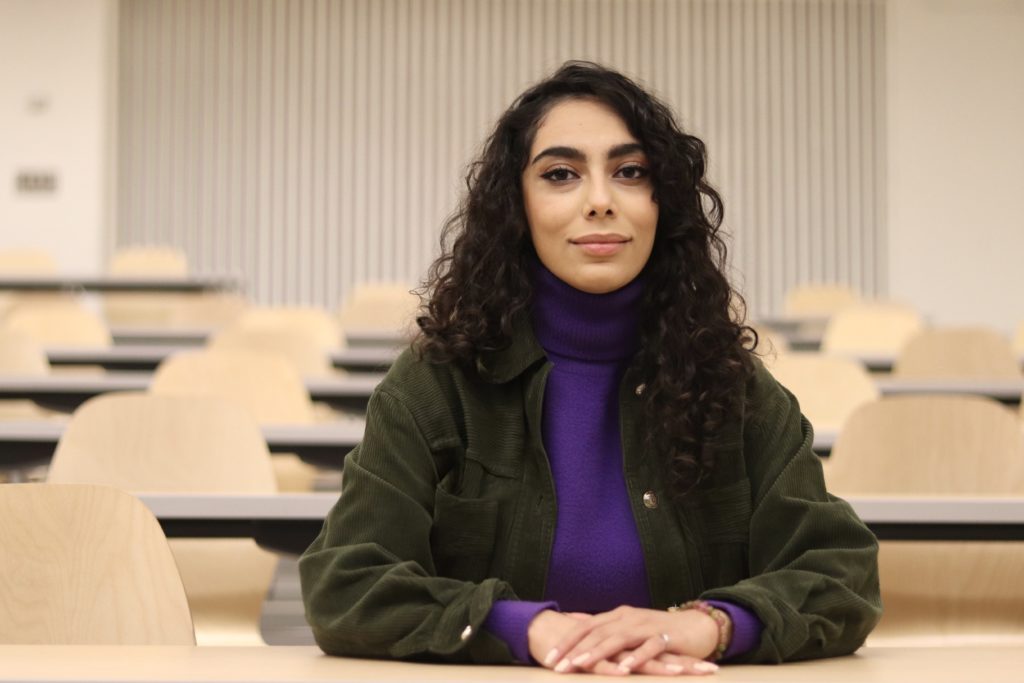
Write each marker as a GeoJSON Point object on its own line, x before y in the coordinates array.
{"type": "Point", "coordinates": [695, 349]}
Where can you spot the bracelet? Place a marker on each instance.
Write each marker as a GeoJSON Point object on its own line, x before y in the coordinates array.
{"type": "Point", "coordinates": [720, 617]}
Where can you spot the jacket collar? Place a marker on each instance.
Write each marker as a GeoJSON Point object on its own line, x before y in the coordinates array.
{"type": "Point", "coordinates": [504, 365]}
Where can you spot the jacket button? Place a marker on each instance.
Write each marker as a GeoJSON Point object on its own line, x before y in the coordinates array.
{"type": "Point", "coordinates": [640, 389]}
{"type": "Point", "coordinates": [650, 500]}
{"type": "Point", "coordinates": [466, 633]}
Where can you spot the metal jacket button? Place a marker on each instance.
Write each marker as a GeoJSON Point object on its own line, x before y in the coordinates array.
{"type": "Point", "coordinates": [650, 500]}
{"type": "Point", "coordinates": [466, 633]}
{"type": "Point", "coordinates": [640, 389]}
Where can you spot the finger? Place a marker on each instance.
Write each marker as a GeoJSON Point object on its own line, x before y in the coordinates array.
{"type": "Point", "coordinates": [687, 664]}
{"type": "Point", "coordinates": [607, 668]}
{"type": "Point", "coordinates": [582, 616]}
{"type": "Point", "coordinates": [648, 650]}
{"type": "Point", "coordinates": [603, 646]}
{"type": "Point", "coordinates": [569, 648]}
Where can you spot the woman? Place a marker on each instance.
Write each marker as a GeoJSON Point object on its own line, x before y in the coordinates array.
{"type": "Point", "coordinates": [580, 464]}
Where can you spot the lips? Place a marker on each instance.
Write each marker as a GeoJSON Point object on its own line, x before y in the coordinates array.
{"type": "Point", "coordinates": [601, 238]}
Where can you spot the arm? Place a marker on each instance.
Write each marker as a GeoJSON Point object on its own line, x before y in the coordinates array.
{"type": "Point", "coordinates": [813, 564]}
{"type": "Point", "coordinates": [369, 580]}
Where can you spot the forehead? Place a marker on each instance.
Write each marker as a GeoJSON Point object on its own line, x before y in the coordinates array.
{"type": "Point", "coordinates": [583, 124]}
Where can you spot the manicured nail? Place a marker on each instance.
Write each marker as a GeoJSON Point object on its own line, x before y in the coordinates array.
{"type": "Point", "coordinates": [581, 659]}
{"type": "Point", "coordinates": [675, 668]}
{"type": "Point", "coordinates": [550, 657]}
{"type": "Point", "coordinates": [627, 663]}
{"type": "Point", "coordinates": [705, 667]}
{"type": "Point", "coordinates": [563, 666]}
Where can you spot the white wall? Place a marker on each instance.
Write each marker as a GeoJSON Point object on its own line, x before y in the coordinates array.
{"type": "Point", "coordinates": [57, 92]}
{"type": "Point", "coordinates": [956, 158]}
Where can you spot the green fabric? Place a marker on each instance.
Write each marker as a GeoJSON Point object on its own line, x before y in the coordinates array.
{"type": "Point", "coordinates": [448, 505]}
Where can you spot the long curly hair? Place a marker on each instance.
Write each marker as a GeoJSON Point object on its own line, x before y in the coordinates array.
{"type": "Point", "coordinates": [695, 349]}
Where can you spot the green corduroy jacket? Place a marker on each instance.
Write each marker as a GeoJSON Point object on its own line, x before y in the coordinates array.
{"type": "Point", "coordinates": [448, 505]}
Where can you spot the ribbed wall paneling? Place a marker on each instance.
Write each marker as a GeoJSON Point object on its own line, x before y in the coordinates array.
{"type": "Point", "coordinates": [313, 144]}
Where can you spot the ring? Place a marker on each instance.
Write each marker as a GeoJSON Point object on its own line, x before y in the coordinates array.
{"type": "Point", "coordinates": [665, 639]}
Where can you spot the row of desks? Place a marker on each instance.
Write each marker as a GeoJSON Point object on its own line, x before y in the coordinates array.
{"type": "Point", "coordinates": [182, 664]}
{"type": "Point", "coordinates": [355, 388]}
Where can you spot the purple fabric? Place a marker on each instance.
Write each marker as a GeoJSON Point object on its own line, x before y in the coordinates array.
{"type": "Point", "coordinates": [746, 628]}
{"type": "Point", "coordinates": [597, 561]}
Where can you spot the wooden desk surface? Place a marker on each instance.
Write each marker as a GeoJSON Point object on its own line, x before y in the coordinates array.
{"type": "Point", "coordinates": [171, 664]}
{"type": "Point", "coordinates": [190, 283]}
{"type": "Point", "coordinates": [148, 356]}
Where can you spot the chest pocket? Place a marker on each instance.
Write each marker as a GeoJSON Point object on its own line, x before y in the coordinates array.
{"type": "Point", "coordinates": [725, 520]}
{"type": "Point", "coordinates": [463, 535]}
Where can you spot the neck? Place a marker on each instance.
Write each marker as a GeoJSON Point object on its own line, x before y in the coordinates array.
{"type": "Point", "coordinates": [591, 327]}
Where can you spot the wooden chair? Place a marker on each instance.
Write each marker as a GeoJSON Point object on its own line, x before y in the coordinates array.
{"type": "Point", "coordinates": [86, 565]}
{"type": "Point", "coordinates": [316, 324]}
{"type": "Point", "coordinates": [770, 344]}
{"type": "Point", "coordinates": [143, 442]}
{"type": "Point", "coordinates": [957, 352]}
{"type": "Point", "coordinates": [380, 306]}
{"type": "Point", "coordinates": [58, 324]}
{"type": "Point", "coordinates": [19, 355]}
{"type": "Point", "coordinates": [172, 310]}
{"type": "Point", "coordinates": [27, 261]}
{"type": "Point", "coordinates": [823, 300]}
{"type": "Point", "coordinates": [305, 354]}
{"type": "Point", "coordinates": [149, 261]}
{"type": "Point", "coordinates": [939, 593]}
{"type": "Point", "coordinates": [264, 383]}
{"type": "Point", "coordinates": [869, 328]}
{"type": "Point", "coordinates": [828, 388]}
{"type": "Point", "coordinates": [1018, 340]}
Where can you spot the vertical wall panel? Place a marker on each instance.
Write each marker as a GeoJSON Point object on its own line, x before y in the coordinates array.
{"type": "Point", "coordinates": [313, 144]}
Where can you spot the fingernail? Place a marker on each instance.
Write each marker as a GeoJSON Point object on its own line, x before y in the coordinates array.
{"type": "Point", "coordinates": [705, 667]}
{"type": "Point", "coordinates": [581, 659]}
{"type": "Point", "coordinates": [627, 663]}
{"type": "Point", "coordinates": [550, 657]}
{"type": "Point", "coordinates": [563, 666]}
{"type": "Point", "coordinates": [675, 668]}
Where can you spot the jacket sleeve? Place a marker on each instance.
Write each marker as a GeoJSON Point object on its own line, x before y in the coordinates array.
{"type": "Point", "coordinates": [369, 581]}
{"type": "Point", "coordinates": [813, 565]}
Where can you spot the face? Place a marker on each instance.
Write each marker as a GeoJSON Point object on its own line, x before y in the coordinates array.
{"type": "Point", "coordinates": [588, 197]}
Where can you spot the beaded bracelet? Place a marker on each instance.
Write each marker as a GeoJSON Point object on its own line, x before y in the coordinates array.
{"type": "Point", "coordinates": [720, 617]}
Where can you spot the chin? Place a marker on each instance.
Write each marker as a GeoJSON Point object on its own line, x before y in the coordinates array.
{"type": "Point", "coordinates": [601, 283]}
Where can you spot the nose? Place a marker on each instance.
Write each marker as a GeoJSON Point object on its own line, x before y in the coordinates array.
{"type": "Point", "coordinates": [599, 199]}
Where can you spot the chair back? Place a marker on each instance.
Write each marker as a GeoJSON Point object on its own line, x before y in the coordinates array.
{"type": "Point", "coordinates": [306, 355]}
{"type": "Point", "coordinates": [27, 261]}
{"type": "Point", "coordinates": [146, 442]}
{"type": "Point", "coordinates": [828, 388]}
{"type": "Point", "coordinates": [86, 565]}
{"type": "Point", "coordinates": [149, 261]}
{"type": "Point", "coordinates": [812, 299]}
{"type": "Point", "coordinates": [266, 384]}
{"type": "Point", "coordinates": [870, 328]}
{"type": "Point", "coordinates": [58, 324]}
{"type": "Point", "coordinates": [316, 324]}
{"type": "Point", "coordinates": [957, 352]}
{"type": "Point", "coordinates": [373, 306]}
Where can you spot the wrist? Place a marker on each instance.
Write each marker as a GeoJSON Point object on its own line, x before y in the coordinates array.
{"type": "Point", "coordinates": [715, 633]}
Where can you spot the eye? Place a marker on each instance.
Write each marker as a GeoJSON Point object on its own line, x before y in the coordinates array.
{"type": "Point", "coordinates": [559, 175]}
{"type": "Point", "coordinates": [632, 172]}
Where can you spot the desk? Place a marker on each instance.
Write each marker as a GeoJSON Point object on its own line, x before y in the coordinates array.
{"type": "Point", "coordinates": [67, 391]}
{"type": "Point", "coordinates": [1005, 390]}
{"type": "Point", "coordinates": [290, 521]}
{"type": "Point", "coordinates": [182, 664]}
{"type": "Point", "coordinates": [56, 283]}
{"type": "Point", "coordinates": [148, 356]}
{"type": "Point", "coordinates": [34, 441]}
{"type": "Point", "coordinates": [197, 336]}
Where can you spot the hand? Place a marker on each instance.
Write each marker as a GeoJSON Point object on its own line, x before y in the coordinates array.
{"type": "Point", "coordinates": [631, 637]}
{"type": "Point", "coordinates": [546, 630]}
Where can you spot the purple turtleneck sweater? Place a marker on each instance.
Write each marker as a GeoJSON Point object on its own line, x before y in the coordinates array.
{"type": "Point", "coordinates": [597, 562]}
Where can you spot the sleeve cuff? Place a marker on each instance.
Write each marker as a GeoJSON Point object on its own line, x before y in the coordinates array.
{"type": "Point", "coordinates": [746, 628]}
{"type": "Point", "coordinates": [510, 621]}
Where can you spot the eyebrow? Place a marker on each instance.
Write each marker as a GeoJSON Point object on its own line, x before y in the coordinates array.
{"type": "Point", "coordinates": [576, 155]}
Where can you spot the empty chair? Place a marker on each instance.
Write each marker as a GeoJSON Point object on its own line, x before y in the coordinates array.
{"type": "Point", "coordinates": [308, 357]}
{"type": "Point", "coordinates": [58, 324]}
{"type": "Point", "coordinates": [380, 306]}
{"type": "Point", "coordinates": [828, 388]}
{"type": "Point", "coordinates": [314, 323]}
{"type": "Point", "coordinates": [148, 261]}
{"type": "Point", "coordinates": [141, 442]}
{"type": "Point", "coordinates": [770, 344]}
{"type": "Point", "coordinates": [871, 328]}
{"type": "Point", "coordinates": [172, 310]}
{"type": "Point", "coordinates": [86, 565]}
{"type": "Point", "coordinates": [20, 355]}
{"type": "Point", "coordinates": [265, 383]}
{"type": "Point", "coordinates": [27, 261]}
{"type": "Point", "coordinates": [957, 352]}
{"type": "Point", "coordinates": [818, 300]}
{"type": "Point", "coordinates": [939, 592]}
{"type": "Point", "coordinates": [1018, 340]}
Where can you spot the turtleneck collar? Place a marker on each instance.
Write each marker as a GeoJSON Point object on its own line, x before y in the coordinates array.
{"type": "Point", "coordinates": [589, 327]}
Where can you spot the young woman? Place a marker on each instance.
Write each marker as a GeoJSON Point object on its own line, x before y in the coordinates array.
{"type": "Point", "coordinates": [580, 463]}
